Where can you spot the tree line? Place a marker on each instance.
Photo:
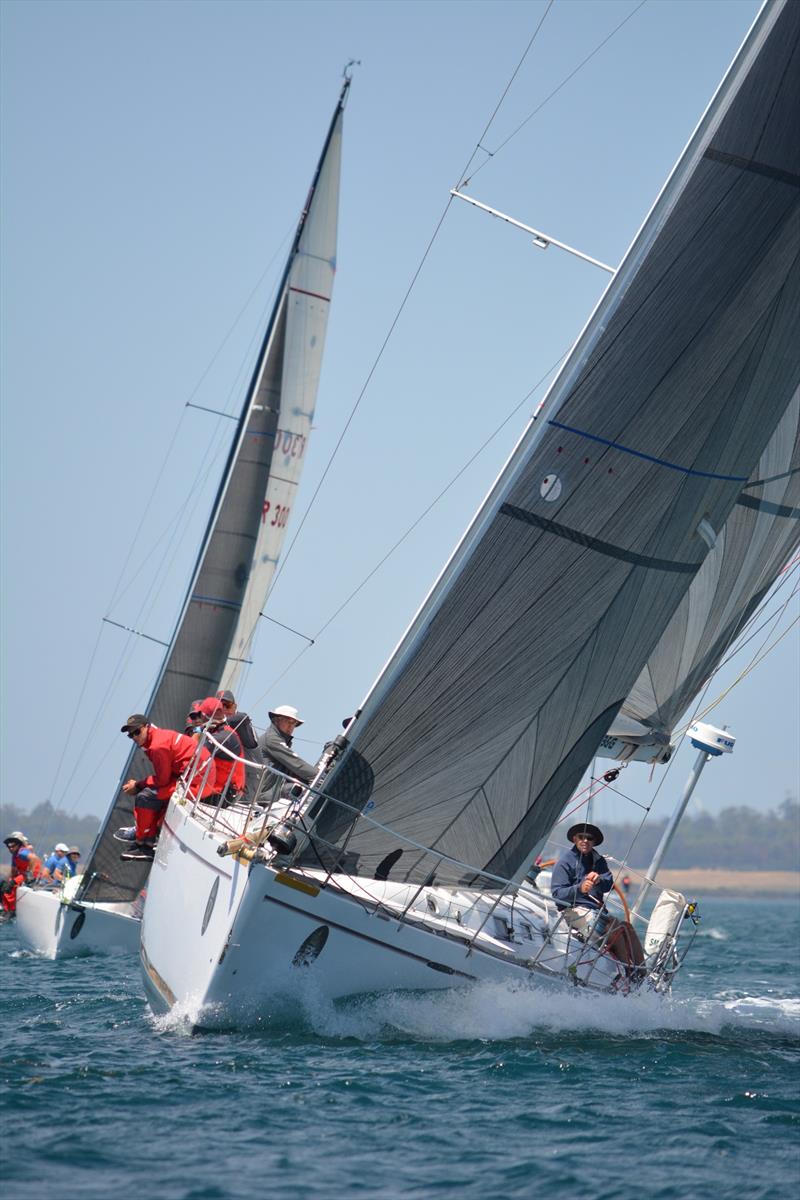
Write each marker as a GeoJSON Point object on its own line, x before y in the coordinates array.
{"type": "Point", "coordinates": [738, 838]}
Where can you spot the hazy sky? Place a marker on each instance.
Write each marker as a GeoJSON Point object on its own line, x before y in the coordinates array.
{"type": "Point", "coordinates": [155, 157]}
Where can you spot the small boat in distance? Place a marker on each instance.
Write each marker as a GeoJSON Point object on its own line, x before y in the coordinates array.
{"type": "Point", "coordinates": [234, 569]}
{"type": "Point", "coordinates": [668, 441]}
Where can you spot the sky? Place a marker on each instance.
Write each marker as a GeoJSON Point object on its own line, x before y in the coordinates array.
{"type": "Point", "coordinates": [155, 157]}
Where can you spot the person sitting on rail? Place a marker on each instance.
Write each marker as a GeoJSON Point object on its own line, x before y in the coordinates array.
{"type": "Point", "coordinates": [227, 778]}
{"type": "Point", "coordinates": [240, 723]}
{"type": "Point", "coordinates": [26, 867]}
{"type": "Point", "coordinates": [581, 878]}
{"type": "Point", "coordinates": [171, 754]}
{"type": "Point", "coordinates": [56, 866]}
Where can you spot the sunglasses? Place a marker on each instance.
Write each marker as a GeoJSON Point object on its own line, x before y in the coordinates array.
{"type": "Point", "coordinates": [583, 837]}
{"type": "Point", "coordinates": [134, 733]}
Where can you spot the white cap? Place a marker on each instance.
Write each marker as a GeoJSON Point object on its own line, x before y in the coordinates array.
{"type": "Point", "coordinates": [62, 848]}
{"type": "Point", "coordinates": [286, 710]}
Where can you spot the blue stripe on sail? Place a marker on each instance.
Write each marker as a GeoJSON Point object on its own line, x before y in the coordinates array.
{"type": "Point", "coordinates": [216, 601]}
{"type": "Point", "coordinates": [661, 462]}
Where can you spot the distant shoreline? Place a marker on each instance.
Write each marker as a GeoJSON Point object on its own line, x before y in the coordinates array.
{"type": "Point", "coordinates": [718, 881]}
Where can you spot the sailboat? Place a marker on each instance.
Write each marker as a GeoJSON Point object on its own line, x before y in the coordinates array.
{"type": "Point", "coordinates": [234, 569]}
{"type": "Point", "coordinates": [640, 518]}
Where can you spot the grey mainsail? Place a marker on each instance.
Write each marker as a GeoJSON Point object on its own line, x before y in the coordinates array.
{"type": "Point", "coordinates": [496, 698]}
{"type": "Point", "coordinates": [248, 522]}
{"type": "Point", "coordinates": [758, 539]}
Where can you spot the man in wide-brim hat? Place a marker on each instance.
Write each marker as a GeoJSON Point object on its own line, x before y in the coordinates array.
{"type": "Point", "coordinates": [580, 881]}
{"type": "Point", "coordinates": [276, 744]}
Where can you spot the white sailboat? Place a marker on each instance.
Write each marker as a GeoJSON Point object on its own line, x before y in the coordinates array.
{"type": "Point", "coordinates": [642, 515]}
{"type": "Point", "coordinates": [234, 569]}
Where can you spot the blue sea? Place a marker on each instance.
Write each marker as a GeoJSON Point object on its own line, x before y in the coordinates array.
{"type": "Point", "coordinates": [480, 1094]}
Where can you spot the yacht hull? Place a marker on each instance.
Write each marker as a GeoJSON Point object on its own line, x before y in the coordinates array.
{"type": "Point", "coordinates": [54, 929]}
{"type": "Point", "coordinates": [226, 942]}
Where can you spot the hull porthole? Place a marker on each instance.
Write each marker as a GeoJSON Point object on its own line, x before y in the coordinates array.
{"type": "Point", "coordinates": [212, 899]}
{"type": "Point", "coordinates": [77, 925]}
{"type": "Point", "coordinates": [312, 947]}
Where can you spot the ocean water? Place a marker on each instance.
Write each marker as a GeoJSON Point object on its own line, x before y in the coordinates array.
{"type": "Point", "coordinates": [479, 1094]}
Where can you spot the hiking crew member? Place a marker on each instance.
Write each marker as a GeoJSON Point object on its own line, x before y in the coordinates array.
{"type": "Point", "coordinates": [25, 868]}
{"type": "Point", "coordinates": [171, 753]}
{"type": "Point", "coordinates": [241, 724]}
{"type": "Point", "coordinates": [228, 776]}
{"type": "Point", "coordinates": [56, 865]}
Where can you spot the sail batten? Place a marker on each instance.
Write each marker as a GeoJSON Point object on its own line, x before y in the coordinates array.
{"type": "Point", "coordinates": [499, 694]}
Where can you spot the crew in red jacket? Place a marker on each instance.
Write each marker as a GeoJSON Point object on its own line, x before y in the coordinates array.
{"type": "Point", "coordinates": [228, 774]}
{"type": "Point", "coordinates": [25, 868]}
{"type": "Point", "coordinates": [171, 754]}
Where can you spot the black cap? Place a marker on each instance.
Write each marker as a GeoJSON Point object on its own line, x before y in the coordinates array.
{"type": "Point", "coordinates": [585, 827]}
{"type": "Point", "coordinates": [226, 697]}
{"type": "Point", "coordinates": [134, 722]}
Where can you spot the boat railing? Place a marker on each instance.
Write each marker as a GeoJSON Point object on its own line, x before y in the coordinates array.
{"type": "Point", "coordinates": [278, 798]}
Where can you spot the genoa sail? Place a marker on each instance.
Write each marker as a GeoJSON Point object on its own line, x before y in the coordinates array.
{"type": "Point", "coordinates": [496, 698]}
{"type": "Point", "coordinates": [758, 539]}
{"type": "Point", "coordinates": [247, 527]}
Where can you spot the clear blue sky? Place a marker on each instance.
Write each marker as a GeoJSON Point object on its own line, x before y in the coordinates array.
{"type": "Point", "coordinates": [154, 160]}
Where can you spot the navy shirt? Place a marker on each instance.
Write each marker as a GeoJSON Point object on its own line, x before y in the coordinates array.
{"type": "Point", "coordinates": [570, 872]}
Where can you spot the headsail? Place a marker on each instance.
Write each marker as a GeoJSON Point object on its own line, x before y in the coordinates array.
{"type": "Point", "coordinates": [248, 523]}
{"type": "Point", "coordinates": [495, 700]}
{"type": "Point", "coordinates": [759, 537]}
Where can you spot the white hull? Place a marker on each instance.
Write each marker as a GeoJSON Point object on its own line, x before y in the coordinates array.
{"type": "Point", "coordinates": [57, 929]}
{"type": "Point", "coordinates": [223, 940]}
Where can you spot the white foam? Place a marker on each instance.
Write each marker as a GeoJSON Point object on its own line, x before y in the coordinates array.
{"type": "Point", "coordinates": [499, 1012]}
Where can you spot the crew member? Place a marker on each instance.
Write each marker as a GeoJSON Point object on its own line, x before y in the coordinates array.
{"type": "Point", "coordinates": [172, 754]}
{"type": "Point", "coordinates": [276, 745]}
{"type": "Point", "coordinates": [240, 722]}
{"type": "Point", "coordinates": [26, 867]}
{"type": "Point", "coordinates": [227, 777]}
{"type": "Point", "coordinates": [56, 865]}
{"type": "Point", "coordinates": [581, 878]}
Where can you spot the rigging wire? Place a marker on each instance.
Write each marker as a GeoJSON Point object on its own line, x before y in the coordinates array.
{"type": "Point", "coordinates": [699, 712]}
{"type": "Point", "coordinates": [169, 532]}
{"type": "Point", "coordinates": [287, 553]}
{"type": "Point", "coordinates": [493, 153]}
{"type": "Point", "coordinates": [410, 529]}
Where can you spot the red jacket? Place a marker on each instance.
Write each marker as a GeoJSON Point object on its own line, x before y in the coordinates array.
{"type": "Point", "coordinates": [225, 767]}
{"type": "Point", "coordinates": [171, 753]}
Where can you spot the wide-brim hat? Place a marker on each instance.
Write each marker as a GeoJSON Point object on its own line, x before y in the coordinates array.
{"type": "Point", "coordinates": [585, 827]}
{"type": "Point", "coordinates": [286, 710]}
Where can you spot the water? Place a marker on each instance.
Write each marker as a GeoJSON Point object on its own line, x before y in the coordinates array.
{"type": "Point", "coordinates": [483, 1094]}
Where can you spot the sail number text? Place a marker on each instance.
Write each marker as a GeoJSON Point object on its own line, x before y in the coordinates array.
{"type": "Point", "coordinates": [279, 514]}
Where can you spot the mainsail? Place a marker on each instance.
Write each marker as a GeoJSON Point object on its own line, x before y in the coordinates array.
{"type": "Point", "coordinates": [496, 698]}
{"type": "Point", "coordinates": [758, 539]}
{"type": "Point", "coordinates": [248, 522]}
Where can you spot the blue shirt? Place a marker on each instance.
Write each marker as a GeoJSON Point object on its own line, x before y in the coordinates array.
{"type": "Point", "coordinates": [570, 872]}
{"type": "Point", "coordinates": [59, 862]}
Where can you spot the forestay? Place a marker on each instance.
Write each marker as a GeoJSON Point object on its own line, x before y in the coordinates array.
{"type": "Point", "coordinates": [759, 537]}
{"type": "Point", "coordinates": [496, 698]}
{"type": "Point", "coordinates": [248, 523]}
